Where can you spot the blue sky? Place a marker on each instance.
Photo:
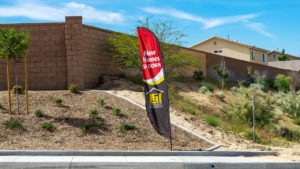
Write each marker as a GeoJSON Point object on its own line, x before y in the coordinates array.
{"type": "Point", "coordinates": [269, 24]}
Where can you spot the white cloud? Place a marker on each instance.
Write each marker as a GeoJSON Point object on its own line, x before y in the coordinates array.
{"type": "Point", "coordinates": [207, 22]}
{"type": "Point", "coordinates": [259, 27]}
{"type": "Point", "coordinates": [40, 11]}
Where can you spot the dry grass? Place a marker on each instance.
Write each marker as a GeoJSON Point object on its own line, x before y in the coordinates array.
{"type": "Point", "coordinates": [70, 119]}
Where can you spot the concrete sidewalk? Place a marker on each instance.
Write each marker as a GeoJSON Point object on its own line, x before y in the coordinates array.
{"type": "Point", "coordinates": [144, 160]}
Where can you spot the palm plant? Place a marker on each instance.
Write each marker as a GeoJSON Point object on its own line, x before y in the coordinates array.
{"type": "Point", "coordinates": [13, 45]}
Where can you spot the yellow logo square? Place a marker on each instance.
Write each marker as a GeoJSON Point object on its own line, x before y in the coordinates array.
{"type": "Point", "coordinates": [155, 98]}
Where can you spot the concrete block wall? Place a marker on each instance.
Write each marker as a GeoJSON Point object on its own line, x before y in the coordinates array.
{"type": "Point", "coordinates": [47, 61]}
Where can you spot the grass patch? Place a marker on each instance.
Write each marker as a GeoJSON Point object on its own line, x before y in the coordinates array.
{"type": "Point", "coordinates": [125, 127]}
{"type": "Point", "coordinates": [93, 113]}
{"type": "Point", "coordinates": [297, 121]}
{"type": "Point", "coordinates": [58, 101]}
{"type": "Point", "coordinates": [39, 113]}
{"type": "Point", "coordinates": [212, 120]}
{"type": "Point", "coordinates": [74, 88]}
{"type": "Point", "coordinates": [96, 125]}
{"type": "Point", "coordinates": [47, 126]}
{"type": "Point", "coordinates": [13, 124]}
{"type": "Point", "coordinates": [101, 102]}
{"type": "Point", "coordinates": [116, 112]}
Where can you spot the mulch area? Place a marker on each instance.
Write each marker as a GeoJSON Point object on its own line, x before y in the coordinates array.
{"type": "Point", "coordinates": [69, 119]}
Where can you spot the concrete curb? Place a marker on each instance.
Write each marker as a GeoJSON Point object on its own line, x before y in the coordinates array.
{"type": "Point", "coordinates": [133, 153]}
{"type": "Point", "coordinates": [215, 145]}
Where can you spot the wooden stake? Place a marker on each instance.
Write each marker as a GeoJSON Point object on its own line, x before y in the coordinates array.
{"type": "Point", "coordinates": [8, 83]}
{"type": "Point", "coordinates": [26, 84]}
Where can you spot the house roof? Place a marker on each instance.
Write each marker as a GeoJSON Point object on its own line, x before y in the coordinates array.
{"type": "Point", "coordinates": [231, 41]}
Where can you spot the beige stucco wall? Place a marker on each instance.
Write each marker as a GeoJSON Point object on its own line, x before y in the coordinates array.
{"type": "Point", "coordinates": [259, 56]}
{"type": "Point", "coordinates": [228, 49]}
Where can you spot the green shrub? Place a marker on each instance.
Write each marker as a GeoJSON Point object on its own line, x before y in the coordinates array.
{"type": "Point", "coordinates": [125, 127]}
{"type": "Point", "coordinates": [93, 113]}
{"type": "Point", "coordinates": [240, 109]}
{"type": "Point", "coordinates": [116, 112]}
{"type": "Point", "coordinates": [204, 89]}
{"type": "Point", "coordinates": [17, 89]}
{"type": "Point", "coordinates": [13, 124]}
{"type": "Point", "coordinates": [234, 89]}
{"type": "Point", "coordinates": [198, 75]}
{"type": "Point", "coordinates": [297, 121]}
{"type": "Point", "coordinates": [208, 85]}
{"type": "Point", "coordinates": [96, 125]}
{"type": "Point", "coordinates": [101, 102]}
{"type": "Point", "coordinates": [222, 72]}
{"type": "Point", "coordinates": [47, 126]}
{"type": "Point", "coordinates": [58, 101]}
{"type": "Point", "coordinates": [289, 103]}
{"type": "Point", "coordinates": [74, 88]}
{"type": "Point", "coordinates": [1, 106]}
{"type": "Point", "coordinates": [38, 113]}
{"type": "Point", "coordinates": [212, 120]}
{"type": "Point", "coordinates": [283, 82]}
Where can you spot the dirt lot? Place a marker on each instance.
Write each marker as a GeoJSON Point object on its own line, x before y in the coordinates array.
{"type": "Point", "coordinates": [70, 118]}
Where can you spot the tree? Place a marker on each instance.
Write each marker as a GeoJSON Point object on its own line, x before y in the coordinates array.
{"type": "Point", "coordinates": [126, 49]}
{"type": "Point", "coordinates": [222, 72]}
{"type": "Point", "coordinates": [283, 82]}
{"type": "Point", "coordinates": [282, 56]}
{"type": "Point", "coordinates": [13, 45]}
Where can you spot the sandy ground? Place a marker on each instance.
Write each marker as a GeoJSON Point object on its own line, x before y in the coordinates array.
{"type": "Point", "coordinates": [69, 119]}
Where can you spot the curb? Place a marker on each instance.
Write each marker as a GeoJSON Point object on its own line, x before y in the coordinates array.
{"type": "Point", "coordinates": [133, 153]}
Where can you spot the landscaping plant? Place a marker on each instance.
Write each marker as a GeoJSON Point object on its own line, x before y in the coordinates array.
{"type": "Point", "coordinates": [47, 126]}
{"type": "Point", "coordinates": [116, 112]}
{"type": "Point", "coordinates": [93, 113]}
{"type": "Point", "coordinates": [39, 113]}
{"type": "Point", "coordinates": [222, 72]}
{"type": "Point", "coordinates": [101, 102]}
{"type": "Point", "coordinates": [58, 101]}
{"type": "Point", "coordinates": [74, 88]}
{"type": "Point", "coordinates": [125, 127]}
{"type": "Point", "coordinates": [13, 45]}
{"type": "Point", "coordinates": [12, 123]}
{"type": "Point", "coordinates": [283, 82]}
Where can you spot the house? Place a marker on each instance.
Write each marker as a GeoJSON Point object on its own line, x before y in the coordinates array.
{"type": "Point", "coordinates": [237, 50]}
{"type": "Point", "coordinates": [274, 54]}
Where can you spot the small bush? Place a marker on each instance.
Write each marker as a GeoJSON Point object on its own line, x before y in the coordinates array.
{"type": "Point", "coordinates": [74, 88]}
{"type": "Point", "coordinates": [234, 89]}
{"type": "Point", "coordinates": [210, 86]}
{"type": "Point", "coordinates": [97, 125]}
{"type": "Point", "coordinates": [198, 75]}
{"type": "Point", "coordinates": [213, 121]}
{"type": "Point", "coordinates": [297, 121]}
{"type": "Point", "coordinates": [204, 89]}
{"type": "Point", "coordinates": [47, 126]}
{"type": "Point", "coordinates": [12, 124]}
{"type": "Point", "coordinates": [17, 89]}
{"type": "Point", "coordinates": [58, 101]}
{"type": "Point", "coordinates": [101, 102]}
{"type": "Point", "coordinates": [116, 111]}
{"type": "Point", "coordinates": [283, 82]}
{"type": "Point", "coordinates": [1, 106]}
{"type": "Point", "coordinates": [93, 113]}
{"type": "Point", "coordinates": [125, 127]}
{"type": "Point", "coordinates": [38, 113]}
